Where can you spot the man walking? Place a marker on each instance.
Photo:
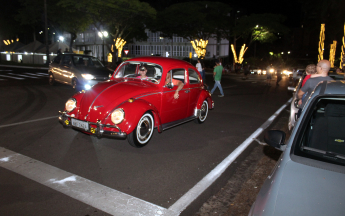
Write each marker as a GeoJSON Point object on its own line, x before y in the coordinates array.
{"type": "Point", "coordinates": [217, 75]}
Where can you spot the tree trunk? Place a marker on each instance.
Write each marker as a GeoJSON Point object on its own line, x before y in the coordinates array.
{"type": "Point", "coordinates": [73, 37]}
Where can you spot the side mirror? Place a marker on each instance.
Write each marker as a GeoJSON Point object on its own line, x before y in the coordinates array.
{"type": "Point", "coordinates": [276, 139]}
{"type": "Point", "coordinates": [169, 85]}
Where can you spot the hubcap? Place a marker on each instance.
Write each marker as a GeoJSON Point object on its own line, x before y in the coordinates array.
{"type": "Point", "coordinates": [203, 112]}
{"type": "Point", "coordinates": [144, 129]}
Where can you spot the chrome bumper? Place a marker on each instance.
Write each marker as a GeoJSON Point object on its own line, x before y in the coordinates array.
{"type": "Point", "coordinates": [98, 131]}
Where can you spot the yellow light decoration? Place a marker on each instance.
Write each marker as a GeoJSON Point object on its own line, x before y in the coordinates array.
{"type": "Point", "coordinates": [342, 51]}
{"type": "Point", "coordinates": [8, 41]}
{"type": "Point", "coordinates": [119, 43]}
{"type": "Point", "coordinates": [200, 47]}
{"type": "Point", "coordinates": [240, 57]}
{"type": "Point", "coordinates": [332, 53]}
{"type": "Point", "coordinates": [243, 50]}
{"type": "Point", "coordinates": [17, 39]}
{"type": "Point", "coordinates": [110, 57]}
{"type": "Point", "coordinates": [5, 42]}
{"type": "Point", "coordinates": [321, 42]}
{"type": "Point", "coordinates": [234, 52]}
{"type": "Point", "coordinates": [12, 41]}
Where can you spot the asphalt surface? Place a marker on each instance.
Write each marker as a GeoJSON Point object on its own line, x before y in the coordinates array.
{"type": "Point", "coordinates": [160, 173]}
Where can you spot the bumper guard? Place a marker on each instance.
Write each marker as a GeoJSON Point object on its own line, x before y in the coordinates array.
{"type": "Point", "coordinates": [99, 131]}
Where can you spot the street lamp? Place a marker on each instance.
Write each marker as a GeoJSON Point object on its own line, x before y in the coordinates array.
{"type": "Point", "coordinates": [102, 35]}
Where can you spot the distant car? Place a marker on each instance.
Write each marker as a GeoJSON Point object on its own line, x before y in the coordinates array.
{"type": "Point", "coordinates": [309, 177]}
{"type": "Point", "coordinates": [79, 71]}
{"type": "Point", "coordinates": [127, 106]}
{"type": "Point", "coordinates": [258, 71]}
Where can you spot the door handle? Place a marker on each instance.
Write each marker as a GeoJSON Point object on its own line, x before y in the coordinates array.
{"type": "Point", "coordinates": [187, 91]}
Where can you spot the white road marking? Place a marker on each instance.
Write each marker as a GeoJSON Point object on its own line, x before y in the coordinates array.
{"type": "Point", "coordinates": [20, 75]}
{"type": "Point", "coordinates": [99, 196]}
{"type": "Point", "coordinates": [25, 122]}
{"type": "Point", "coordinates": [18, 78]}
{"type": "Point", "coordinates": [202, 185]}
{"type": "Point", "coordinates": [39, 75]}
{"type": "Point", "coordinates": [45, 74]}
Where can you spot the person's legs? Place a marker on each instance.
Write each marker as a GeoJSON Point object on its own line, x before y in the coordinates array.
{"type": "Point", "coordinates": [214, 87]}
{"type": "Point", "coordinates": [220, 87]}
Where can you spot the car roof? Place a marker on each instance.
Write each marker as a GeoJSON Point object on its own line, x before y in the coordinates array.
{"type": "Point", "coordinates": [336, 87]}
{"type": "Point", "coordinates": [163, 61]}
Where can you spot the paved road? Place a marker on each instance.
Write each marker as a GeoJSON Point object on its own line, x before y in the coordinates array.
{"type": "Point", "coordinates": [52, 161]}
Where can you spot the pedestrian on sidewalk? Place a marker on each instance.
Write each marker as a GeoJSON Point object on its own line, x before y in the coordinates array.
{"type": "Point", "coordinates": [217, 75]}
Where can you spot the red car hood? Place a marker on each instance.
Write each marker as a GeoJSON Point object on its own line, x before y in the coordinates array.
{"type": "Point", "coordinates": [104, 97]}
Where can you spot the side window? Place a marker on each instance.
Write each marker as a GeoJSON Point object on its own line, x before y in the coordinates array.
{"type": "Point", "coordinates": [67, 60]}
{"type": "Point", "coordinates": [193, 77]}
{"type": "Point", "coordinates": [178, 74]}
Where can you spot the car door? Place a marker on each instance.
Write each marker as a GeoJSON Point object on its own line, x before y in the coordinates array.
{"type": "Point", "coordinates": [174, 109]}
{"type": "Point", "coordinates": [194, 86]}
{"type": "Point", "coordinates": [66, 66]}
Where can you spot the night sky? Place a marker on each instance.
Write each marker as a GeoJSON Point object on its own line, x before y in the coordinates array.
{"type": "Point", "coordinates": [290, 9]}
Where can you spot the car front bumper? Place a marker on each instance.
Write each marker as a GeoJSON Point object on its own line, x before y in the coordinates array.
{"type": "Point", "coordinates": [96, 129]}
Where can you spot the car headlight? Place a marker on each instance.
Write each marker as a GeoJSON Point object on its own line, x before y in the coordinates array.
{"type": "Point", "coordinates": [259, 71]}
{"type": "Point", "coordinates": [87, 76]}
{"type": "Point", "coordinates": [70, 104]}
{"type": "Point", "coordinates": [117, 116]}
{"type": "Point", "coordinates": [271, 70]}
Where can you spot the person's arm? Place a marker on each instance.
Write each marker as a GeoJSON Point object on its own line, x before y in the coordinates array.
{"type": "Point", "coordinates": [302, 90]}
{"type": "Point", "coordinates": [179, 87]}
{"type": "Point", "coordinates": [316, 75]}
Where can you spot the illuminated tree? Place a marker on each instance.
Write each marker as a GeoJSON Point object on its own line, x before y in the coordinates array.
{"type": "Point", "coordinates": [196, 21]}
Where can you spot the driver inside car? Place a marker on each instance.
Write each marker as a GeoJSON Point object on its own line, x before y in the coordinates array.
{"type": "Point", "coordinates": [142, 72]}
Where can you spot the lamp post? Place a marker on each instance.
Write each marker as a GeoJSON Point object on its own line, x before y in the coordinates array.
{"type": "Point", "coordinates": [102, 35]}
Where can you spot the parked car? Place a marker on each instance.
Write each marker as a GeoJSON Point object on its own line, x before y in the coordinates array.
{"type": "Point", "coordinates": [128, 106]}
{"type": "Point", "coordinates": [309, 177]}
{"type": "Point", "coordinates": [79, 71]}
{"type": "Point", "coordinates": [294, 102]}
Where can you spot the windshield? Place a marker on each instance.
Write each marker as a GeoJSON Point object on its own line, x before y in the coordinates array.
{"type": "Point", "coordinates": [88, 61]}
{"type": "Point", "coordinates": [140, 70]}
{"type": "Point", "coordinates": [323, 138]}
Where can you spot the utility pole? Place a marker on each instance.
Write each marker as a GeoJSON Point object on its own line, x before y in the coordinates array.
{"type": "Point", "coordinates": [46, 31]}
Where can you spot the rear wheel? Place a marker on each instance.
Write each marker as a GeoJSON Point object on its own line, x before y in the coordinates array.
{"type": "Point", "coordinates": [51, 79]}
{"type": "Point", "coordinates": [203, 113]}
{"type": "Point", "coordinates": [141, 135]}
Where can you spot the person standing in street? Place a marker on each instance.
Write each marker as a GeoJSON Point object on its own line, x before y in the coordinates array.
{"type": "Point", "coordinates": [199, 68]}
{"type": "Point", "coordinates": [269, 75]}
{"type": "Point", "coordinates": [279, 74]}
{"type": "Point", "coordinates": [217, 75]}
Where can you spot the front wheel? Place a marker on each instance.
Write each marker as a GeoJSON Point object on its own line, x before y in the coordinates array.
{"type": "Point", "coordinates": [141, 135]}
{"type": "Point", "coordinates": [51, 79]}
{"type": "Point", "coordinates": [203, 113]}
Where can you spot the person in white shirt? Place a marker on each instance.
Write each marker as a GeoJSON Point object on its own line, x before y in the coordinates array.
{"type": "Point", "coordinates": [199, 67]}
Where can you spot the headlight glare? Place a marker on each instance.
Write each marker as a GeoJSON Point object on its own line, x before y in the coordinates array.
{"type": "Point", "coordinates": [117, 116]}
{"type": "Point", "coordinates": [71, 104]}
{"type": "Point", "coordinates": [87, 76]}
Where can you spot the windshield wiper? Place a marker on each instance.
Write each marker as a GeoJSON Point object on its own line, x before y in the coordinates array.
{"type": "Point", "coordinates": [325, 153]}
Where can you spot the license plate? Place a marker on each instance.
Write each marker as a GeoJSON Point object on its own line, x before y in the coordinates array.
{"type": "Point", "coordinates": [80, 124]}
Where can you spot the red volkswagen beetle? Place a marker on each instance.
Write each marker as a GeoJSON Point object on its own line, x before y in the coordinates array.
{"type": "Point", "coordinates": [143, 93]}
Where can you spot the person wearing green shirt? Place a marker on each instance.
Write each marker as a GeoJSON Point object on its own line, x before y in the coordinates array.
{"type": "Point", "coordinates": [217, 75]}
